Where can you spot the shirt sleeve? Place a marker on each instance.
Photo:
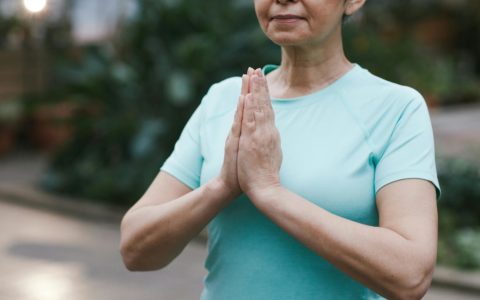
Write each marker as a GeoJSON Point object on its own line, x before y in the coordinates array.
{"type": "Point", "coordinates": [410, 151]}
{"type": "Point", "coordinates": [185, 162]}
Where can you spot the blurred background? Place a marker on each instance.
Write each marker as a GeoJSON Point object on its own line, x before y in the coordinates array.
{"type": "Point", "coordinates": [94, 94]}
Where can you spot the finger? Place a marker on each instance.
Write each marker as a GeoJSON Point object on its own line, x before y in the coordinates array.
{"type": "Point", "coordinates": [264, 88]}
{"type": "Point", "coordinates": [241, 104]}
{"type": "Point", "coordinates": [248, 122]}
{"type": "Point", "coordinates": [262, 97]}
{"type": "Point", "coordinates": [250, 72]}
{"type": "Point", "coordinates": [245, 83]}
{"type": "Point", "coordinates": [250, 108]}
{"type": "Point", "coordinates": [237, 121]}
{"type": "Point", "coordinates": [265, 94]}
{"type": "Point", "coordinates": [255, 91]}
{"type": "Point", "coordinates": [260, 119]}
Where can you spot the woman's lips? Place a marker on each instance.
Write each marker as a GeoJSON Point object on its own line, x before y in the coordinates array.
{"type": "Point", "coordinates": [286, 18]}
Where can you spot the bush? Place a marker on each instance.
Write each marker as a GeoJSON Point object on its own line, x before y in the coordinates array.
{"type": "Point", "coordinates": [135, 96]}
{"type": "Point", "coordinates": [459, 213]}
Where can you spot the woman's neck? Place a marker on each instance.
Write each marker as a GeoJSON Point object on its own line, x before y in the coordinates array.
{"type": "Point", "coordinates": [306, 69]}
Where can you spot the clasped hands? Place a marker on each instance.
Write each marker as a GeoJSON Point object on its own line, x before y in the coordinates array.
{"type": "Point", "coordinates": [253, 154]}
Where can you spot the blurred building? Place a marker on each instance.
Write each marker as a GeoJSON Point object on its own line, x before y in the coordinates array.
{"type": "Point", "coordinates": [29, 39]}
{"type": "Point", "coordinates": [22, 57]}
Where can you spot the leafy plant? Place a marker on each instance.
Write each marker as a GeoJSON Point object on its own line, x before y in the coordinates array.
{"type": "Point", "coordinates": [134, 96]}
{"type": "Point", "coordinates": [430, 48]}
{"type": "Point", "coordinates": [459, 213]}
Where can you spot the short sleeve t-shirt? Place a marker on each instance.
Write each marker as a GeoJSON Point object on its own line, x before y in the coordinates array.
{"type": "Point", "coordinates": [340, 146]}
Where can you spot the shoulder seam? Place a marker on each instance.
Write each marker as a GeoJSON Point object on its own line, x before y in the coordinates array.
{"type": "Point", "coordinates": [384, 148]}
{"type": "Point", "coordinates": [360, 124]}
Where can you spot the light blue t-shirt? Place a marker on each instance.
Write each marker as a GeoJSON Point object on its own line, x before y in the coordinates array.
{"type": "Point", "coordinates": [340, 145]}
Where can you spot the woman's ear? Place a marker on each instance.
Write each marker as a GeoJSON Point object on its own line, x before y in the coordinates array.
{"type": "Point", "coordinates": [351, 6]}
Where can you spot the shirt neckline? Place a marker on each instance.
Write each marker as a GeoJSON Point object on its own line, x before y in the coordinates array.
{"type": "Point", "coordinates": [315, 95]}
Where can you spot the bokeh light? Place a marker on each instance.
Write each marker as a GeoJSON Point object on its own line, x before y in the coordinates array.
{"type": "Point", "coordinates": [35, 6]}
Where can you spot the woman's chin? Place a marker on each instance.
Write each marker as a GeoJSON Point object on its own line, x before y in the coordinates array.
{"type": "Point", "coordinates": [288, 39]}
{"type": "Point", "coordinates": [288, 42]}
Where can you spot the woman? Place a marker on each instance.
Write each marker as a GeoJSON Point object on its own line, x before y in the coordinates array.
{"type": "Point", "coordinates": [328, 185]}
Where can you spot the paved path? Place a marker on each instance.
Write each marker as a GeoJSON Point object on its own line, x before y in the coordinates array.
{"type": "Point", "coordinates": [436, 293]}
{"type": "Point", "coordinates": [48, 256]}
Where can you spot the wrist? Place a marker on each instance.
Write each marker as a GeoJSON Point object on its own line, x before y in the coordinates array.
{"type": "Point", "coordinates": [220, 189]}
{"type": "Point", "coordinates": [265, 193]}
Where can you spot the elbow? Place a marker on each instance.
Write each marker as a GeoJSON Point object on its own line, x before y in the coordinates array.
{"type": "Point", "coordinates": [134, 254]}
{"type": "Point", "coordinates": [414, 286]}
{"type": "Point", "coordinates": [130, 259]}
{"type": "Point", "coordinates": [134, 261]}
{"type": "Point", "coordinates": [141, 251]}
{"type": "Point", "coordinates": [128, 252]}
{"type": "Point", "coordinates": [419, 288]}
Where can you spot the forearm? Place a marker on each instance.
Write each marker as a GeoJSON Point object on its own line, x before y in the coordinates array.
{"type": "Point", "coordinates": [153, 236]}
{"type": "Point", "coordinates": [378, 257]}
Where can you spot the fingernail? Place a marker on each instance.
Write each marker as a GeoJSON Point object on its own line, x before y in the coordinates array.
{"type": "Point", "coordinates": [250, 70]}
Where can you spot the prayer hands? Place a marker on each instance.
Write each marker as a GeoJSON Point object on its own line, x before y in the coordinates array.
{"type": "Point", "coordinates": [253, 154]}
{"type": "Point", "coordinates": [228, 174]}
{"type": "Point", "coordinates": [259, 155]}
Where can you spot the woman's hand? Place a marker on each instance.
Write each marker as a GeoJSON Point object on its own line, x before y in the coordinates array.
{"type": "Point", "coordinates": [259, 152]}
{"type": "Point", "coordinates": [228, 176]}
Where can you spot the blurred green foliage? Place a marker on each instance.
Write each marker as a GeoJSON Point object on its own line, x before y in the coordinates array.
{"type": "Point", "coordinates": [459, 213]}
{"type": "Point", "coordinates": [133, 97]}
{"type": "Point", "coordinates": [430, 45]}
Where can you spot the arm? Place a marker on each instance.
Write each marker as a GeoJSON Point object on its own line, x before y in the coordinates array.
{"type": "Point", "coordinates": [159, 226]}
{"type": "Point", "coordinates": [168, 216]}
{"type": "Point", "coordinates": [395, 259]}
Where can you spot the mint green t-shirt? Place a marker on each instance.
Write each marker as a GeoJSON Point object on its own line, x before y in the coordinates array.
{"type": "Point", "coordinates": [340, 145]}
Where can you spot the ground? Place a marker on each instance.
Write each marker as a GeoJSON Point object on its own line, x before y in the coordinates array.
{"type": "Point", "coordinates": [49, 256]}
